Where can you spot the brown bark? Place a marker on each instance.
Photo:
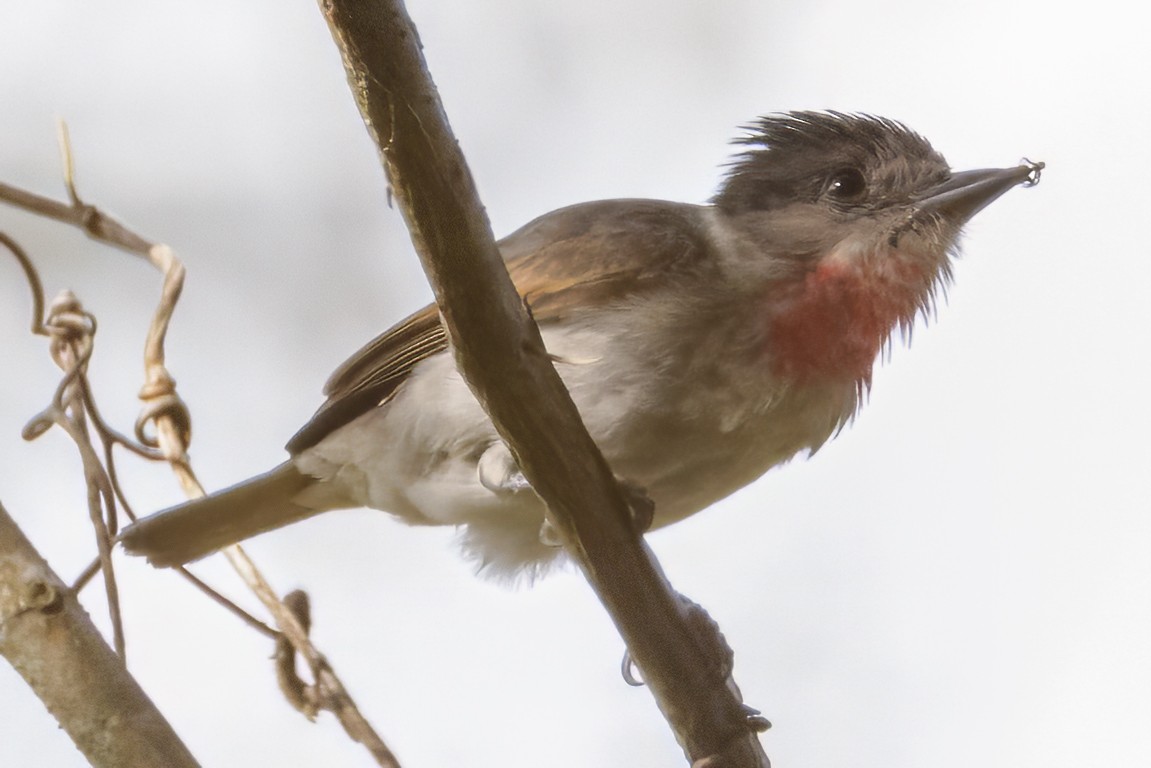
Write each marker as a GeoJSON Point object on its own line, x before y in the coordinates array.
{"type": "Point", "coordinates": [499, 351]}
{"type": "Point", "coordinates": [48, 638]}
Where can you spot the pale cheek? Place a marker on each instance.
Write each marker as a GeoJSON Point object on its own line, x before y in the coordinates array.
{"type": "Point", "coordinates": [903, 271]}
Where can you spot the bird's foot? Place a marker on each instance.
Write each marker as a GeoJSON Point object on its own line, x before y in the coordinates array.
{"type": "Point", "coordinates": [641, 506]}
{"type": "Point", "coordinates": [498, 471]}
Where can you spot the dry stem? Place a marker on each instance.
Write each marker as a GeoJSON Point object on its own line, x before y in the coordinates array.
{"type": "Point", "coordinates": [165, 414]}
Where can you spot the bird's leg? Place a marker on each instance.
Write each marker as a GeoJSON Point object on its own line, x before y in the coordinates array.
{"type": "Point", "coordinates": [712, 644]}
{"type": "Point", "coordinates": [641, 506]}
{"type": "Point", "coordinates": [715, 654]}
{"type": "Point", "coordinates": [642, 510]}
{"type": "Point", "coordinates": [498, 471]}
{"type": "Point", "coordinates": [714, 649]}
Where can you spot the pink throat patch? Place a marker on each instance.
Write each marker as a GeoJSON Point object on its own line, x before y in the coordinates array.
{"type": "Point", "coordinates": [832, 323]}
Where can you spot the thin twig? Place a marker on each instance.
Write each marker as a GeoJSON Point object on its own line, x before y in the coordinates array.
{"type": "Point", "coordinates": [162, 431]}
{"type": "Point", "coordinates": [33, 278]}
{"type": "Point", "coordinates": [71, 331]}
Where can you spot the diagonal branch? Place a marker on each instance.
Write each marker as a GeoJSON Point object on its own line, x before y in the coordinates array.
{"type": "Point", "coordinates": [48, 638]}
{"type": "Point", "coordinates": [499, 351]}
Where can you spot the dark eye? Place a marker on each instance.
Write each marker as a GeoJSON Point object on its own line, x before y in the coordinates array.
{"type": "Point", "coordinates": [846, 185]}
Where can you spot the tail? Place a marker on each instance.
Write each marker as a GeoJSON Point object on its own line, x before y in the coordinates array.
{"type": "Point", "coordinates": [190, 531]}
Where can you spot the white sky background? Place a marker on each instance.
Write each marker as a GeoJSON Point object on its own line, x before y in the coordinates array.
{"type": "Point", "coordinates": [962, 578]}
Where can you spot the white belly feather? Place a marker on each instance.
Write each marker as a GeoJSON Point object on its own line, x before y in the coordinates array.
{"type": "Point", "coordinates": [416, 457]}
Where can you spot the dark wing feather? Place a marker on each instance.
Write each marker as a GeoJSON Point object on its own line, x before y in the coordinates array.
{"type": "Point", "coordinates": [582, 256]}
{"type": "Point", "coordinates": [370, 377]}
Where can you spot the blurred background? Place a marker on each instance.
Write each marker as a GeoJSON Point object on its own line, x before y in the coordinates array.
{"type": "Point", "coordinates": [961, 578]}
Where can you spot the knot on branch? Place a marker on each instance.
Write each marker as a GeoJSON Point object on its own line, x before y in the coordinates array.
{"type": "Point", "coordinates": [28, 588]}
{"type": "Point", "coordinates": [71, 329]}
{"type": "Point", "coordinates": [44, 596]}
{"type": "Point", "coordinates": [89, 218]}
{"type": "Point", "coordinates": [168, 415]}
{"type": "Point", "coordinates": [302, 696]}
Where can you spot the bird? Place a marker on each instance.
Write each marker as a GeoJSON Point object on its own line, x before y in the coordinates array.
{"type": "Point", "coordinates": [703, 345]}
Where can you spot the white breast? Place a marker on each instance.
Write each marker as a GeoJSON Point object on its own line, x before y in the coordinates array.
{"type": "Point", "coordinates": [687, 441]}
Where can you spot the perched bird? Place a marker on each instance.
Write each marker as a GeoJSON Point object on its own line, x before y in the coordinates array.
{"type": "Point", "coordinates": [702, 344]}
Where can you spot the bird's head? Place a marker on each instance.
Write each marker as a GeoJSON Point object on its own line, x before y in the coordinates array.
{"type": "Point", "coordinates": [855, 219]}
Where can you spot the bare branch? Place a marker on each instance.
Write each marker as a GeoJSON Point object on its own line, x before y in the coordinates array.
{"type": "Point", "coordinates": [73, 407]}
{"type": "Point", "coordinates": [71, 331]}
{"type": "Point", "coordinates": [499, 351]}
{"type": "Point", "coordinates": [34, 283]}
{"type": "Point", "coordinates": [48, 638]}
{"type": "Point", "coordinates": [330, 694]}
{"type": "Point", "coordinates": [94, 222]}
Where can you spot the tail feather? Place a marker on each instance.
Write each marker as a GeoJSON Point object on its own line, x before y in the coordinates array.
{"type": "Point", "coordinates": [197, 528]}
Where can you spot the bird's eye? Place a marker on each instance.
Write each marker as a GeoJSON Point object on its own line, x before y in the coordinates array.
{"type": "Point", "coordinates": [846, 185]}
